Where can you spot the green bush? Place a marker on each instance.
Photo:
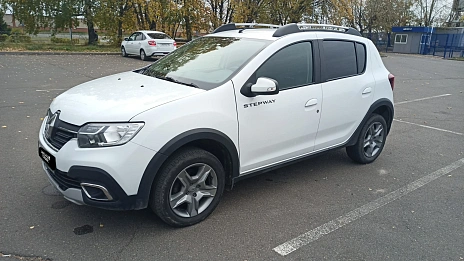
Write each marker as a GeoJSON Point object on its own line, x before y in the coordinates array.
{"type": "Point", "coordinates": [3, 37]}
{"type": "Point", "coordinates": [64, 40]}
{"type": "Point", "coordinates": [15, 38]}
{"type": "Point", "coordinates": [16, 31]}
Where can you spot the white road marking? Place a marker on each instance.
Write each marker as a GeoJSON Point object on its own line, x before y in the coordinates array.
{"type": "Point", "coordinates": [49, 90]}
{"type": "Point", "coordinates": [329, 227]}
{"type": "Point", "coordinates": [422, 99]}
{"type": "Point", "coordinates": [429, 127]}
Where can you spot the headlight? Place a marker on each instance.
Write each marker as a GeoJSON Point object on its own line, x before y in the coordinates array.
{"type": "Point", "coordinates": [107, 134]}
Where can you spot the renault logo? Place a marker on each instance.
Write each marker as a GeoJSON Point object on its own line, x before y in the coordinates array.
{"type": "Point", "coordinates": [50, 124]}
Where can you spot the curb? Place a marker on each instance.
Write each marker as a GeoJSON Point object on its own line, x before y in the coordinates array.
{"type": "Point", "coordinates": [59, 53]}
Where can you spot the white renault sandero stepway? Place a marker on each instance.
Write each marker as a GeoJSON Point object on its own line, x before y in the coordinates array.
{"type": "Point", "coordinates": [240, 101]}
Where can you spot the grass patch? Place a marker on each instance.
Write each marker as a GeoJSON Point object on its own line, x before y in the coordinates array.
{"type": "Point", "coordinates": [54, 47]}
{"type": "Point", "coordinates": [457, 58]}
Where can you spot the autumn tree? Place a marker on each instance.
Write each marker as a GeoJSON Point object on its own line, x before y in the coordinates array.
{"type": "Point", "coordinates": [431, 12]}
{"type": "Point", "coordinates": [220, 11]}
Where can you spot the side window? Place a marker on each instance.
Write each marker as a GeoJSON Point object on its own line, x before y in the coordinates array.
{"type": "Point", "coordinates": [143, 37]}
{"type": "Point", "coordinates": [138, 37]}
{"type": "Point", "coordinates": [361, 57]}
{"type": "Point", "coordinates": [340, 59]}
{"type": "Point", "coordinates": [132, 37]}
{"type": "Point", "coordinates": [290, 67]}
{"type": "Point", "coordinates": [401, 38]}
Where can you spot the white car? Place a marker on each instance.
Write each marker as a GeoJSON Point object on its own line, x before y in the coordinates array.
{"type": "Point", "coordinates": [147, 44]}
{"type": "Point", "coordinates": [240, 101]}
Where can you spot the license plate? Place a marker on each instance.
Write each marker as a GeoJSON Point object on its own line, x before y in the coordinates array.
{"type": "Point", "coordinates": [48, 158]}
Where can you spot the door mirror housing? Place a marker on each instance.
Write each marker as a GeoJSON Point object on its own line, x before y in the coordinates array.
{"type": "Point", "coordinates": [263, 86]}
{"type": "Point", "coordinates": [126, 39]}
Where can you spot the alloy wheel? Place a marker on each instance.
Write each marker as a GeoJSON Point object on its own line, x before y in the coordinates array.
{"type": "Point", "coordinates": [373, 139]}
{"type": "Point", "coordinates": [193, 190]}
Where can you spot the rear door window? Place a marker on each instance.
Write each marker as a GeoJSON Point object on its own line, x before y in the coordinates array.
{"type": "Point", "coordinates": [340, 59]}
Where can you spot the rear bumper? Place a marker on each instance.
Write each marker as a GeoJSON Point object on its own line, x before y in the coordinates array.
{"type": "Point", "coordinates": [156, 51]}
{"type": "Point", "coordinates": [159, 53]}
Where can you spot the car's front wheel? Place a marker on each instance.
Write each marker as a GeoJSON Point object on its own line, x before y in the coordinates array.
{"type": "Point", "coordinates": [188, 188]}
{"type": "Point", "coordinates": [370, 142]}
{"type": "Point", "coordinates": [123, 52]}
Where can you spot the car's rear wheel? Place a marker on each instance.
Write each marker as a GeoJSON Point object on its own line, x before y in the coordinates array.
{"type": "Point", "coordinates": [188, 188]}
{"type": "Point", "coordinates": [370, 142]}
{"type": "Point", "coordinates": [123, 52]}
{"type": "Point", "coordinates": [143, 55]}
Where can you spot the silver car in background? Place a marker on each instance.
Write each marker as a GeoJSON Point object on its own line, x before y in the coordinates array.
{"type": "Point", "coordinates": [147, 44]}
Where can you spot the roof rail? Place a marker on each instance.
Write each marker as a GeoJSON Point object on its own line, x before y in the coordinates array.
{"type": "Point", "coordinates": [296, 28]}
{"type": "Point", "coordinates": [253, 25]}
{"type": "Point", "coordinates": [234, 26]}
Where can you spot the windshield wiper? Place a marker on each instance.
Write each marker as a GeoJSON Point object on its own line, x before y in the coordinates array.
{"type": "Point", "coordinates": [170, 79]}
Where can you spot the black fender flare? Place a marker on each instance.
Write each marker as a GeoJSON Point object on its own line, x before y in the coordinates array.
{"type": "Point", "coordinates": [377, 104]}
{"type": "Point", "coordinates": [155, 164]}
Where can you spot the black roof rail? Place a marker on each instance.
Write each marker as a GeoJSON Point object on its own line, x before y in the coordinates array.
{"type": "Point", "coordinates": [234, 26]}
{"type": "Point", "coordinates": [296, 28]}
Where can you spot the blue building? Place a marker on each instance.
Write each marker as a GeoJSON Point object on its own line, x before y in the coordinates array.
{"type": "Point", "coordinates": [429, 40]}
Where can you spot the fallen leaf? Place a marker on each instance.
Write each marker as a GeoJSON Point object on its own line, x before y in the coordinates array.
{"type": "Point", "coordinates": [31, 227]}
{"type": "Point", "coordinates": [370, 189]}
{"type": "Point", "coordinates": [101, 225]}
{"type": "Point", "coordinates": [3, 126]}
{"type": "Point", "coordinates": [21, 102]}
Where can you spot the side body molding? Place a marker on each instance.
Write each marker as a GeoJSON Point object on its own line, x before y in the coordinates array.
{"type": "Point", "coordinates": [226, 144]}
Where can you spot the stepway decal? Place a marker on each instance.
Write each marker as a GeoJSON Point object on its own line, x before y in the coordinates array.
{"type": "Point", "coordinates": [254, 104]}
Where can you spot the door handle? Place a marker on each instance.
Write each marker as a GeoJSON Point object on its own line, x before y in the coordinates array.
{"type": "Point", "coordinates": [367, 90]}
{"type": "Point", "coordinates": [311, 102]}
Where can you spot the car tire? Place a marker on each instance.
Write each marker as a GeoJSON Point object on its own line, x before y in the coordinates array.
{"type": "Point", "coordinates": [123, 52]}
{"type": "Point", "coordinates": [188, 187]}
{"type": "Point", "coordinates": [143, 55]}
{"type": "Point", "coordinates": [370, 142]}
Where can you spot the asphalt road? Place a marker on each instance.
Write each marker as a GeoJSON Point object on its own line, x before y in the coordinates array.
{"type": "Point", "coordinates": [407, 205]}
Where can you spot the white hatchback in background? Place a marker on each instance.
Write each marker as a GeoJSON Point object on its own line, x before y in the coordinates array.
{"type": "Point", "coordinates": [147, 44]}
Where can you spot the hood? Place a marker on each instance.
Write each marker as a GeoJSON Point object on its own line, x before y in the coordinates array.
{"type": "Point", "coordinates": [117, 98]}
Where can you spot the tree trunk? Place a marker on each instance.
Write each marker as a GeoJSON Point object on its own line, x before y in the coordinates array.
{"type": "Point", "coordinates": [120, 31]}
{"type": "Point", "coordinates": [91, 32]}
{"type": "Point", "coordinates": [90, 27]}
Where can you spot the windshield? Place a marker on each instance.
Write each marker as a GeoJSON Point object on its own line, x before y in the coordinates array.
{"type": "Point", "coordinates": [206, 62]}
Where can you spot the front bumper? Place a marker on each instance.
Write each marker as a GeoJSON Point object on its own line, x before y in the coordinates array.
{"type": "Point", "coordinates": [106, 178]}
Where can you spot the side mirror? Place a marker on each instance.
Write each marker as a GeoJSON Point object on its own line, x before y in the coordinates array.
{"type": "Point", "coordinates": [263, 86]}
{"type": "Point", "coordinates": [126, 39]}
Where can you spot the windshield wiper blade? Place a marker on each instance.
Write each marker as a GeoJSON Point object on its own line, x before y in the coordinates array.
{"type": "Point", "coordinates": [167, 78]}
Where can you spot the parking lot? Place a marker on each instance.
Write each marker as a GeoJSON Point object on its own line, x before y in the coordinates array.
{"type": "Point", "coordinates": [407, 205]}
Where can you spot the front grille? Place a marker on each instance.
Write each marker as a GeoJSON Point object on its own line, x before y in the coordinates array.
{"type": "Point", "coordinates": [63, 181]}
{"type": "Point", "coordinates": [61, 133]}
